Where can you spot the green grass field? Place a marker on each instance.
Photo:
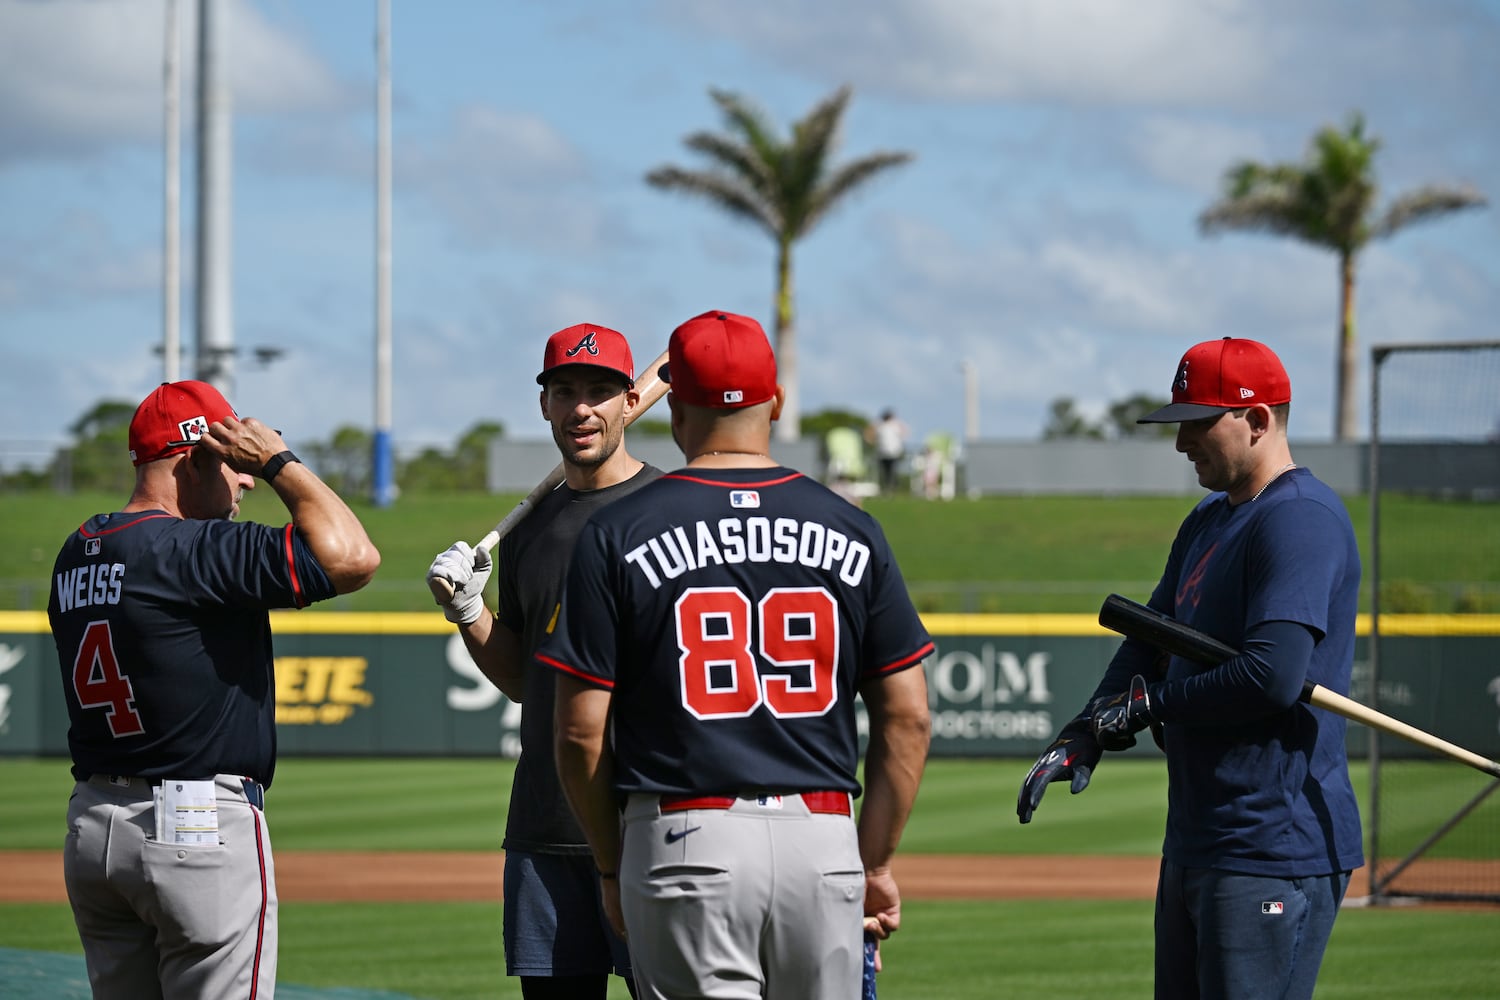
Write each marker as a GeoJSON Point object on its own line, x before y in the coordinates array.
{"type": "Point", "coordinates": [1002, 554]}
{"type": "Point", "coordinates": [946, 950]}
{"type": "Point", "coordinates": [994, 555]}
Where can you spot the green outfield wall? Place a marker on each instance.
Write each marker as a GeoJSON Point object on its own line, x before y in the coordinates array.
{"type": "Point", "coordinates": [1001, 685]}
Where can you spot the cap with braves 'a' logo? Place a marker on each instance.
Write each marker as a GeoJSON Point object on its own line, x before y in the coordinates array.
{"type": "Point", "coordinates": [722, 360]}
{"type": "Point", "coordinates": [1221, 375]}
{"type": "Point", "coordinates": [173, 418]}
{"type": "Point", "coordinates": [588, 344]}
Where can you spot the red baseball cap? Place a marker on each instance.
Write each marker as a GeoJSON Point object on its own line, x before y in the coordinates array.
{"type": "Point", "coordinates": [720, 360]}
{"type": "Point", "coordinates": [588, 344]}
{"type": "Point", "coordinates": [1221, 375]}
{"type": "Point", "coordinates": [173, 418]}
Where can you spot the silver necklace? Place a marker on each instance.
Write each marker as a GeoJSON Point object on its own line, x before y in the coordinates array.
{"type": "Point", "coordinates": [751, 454]}
{"type": "Point", "coordinates": [1274, 476]}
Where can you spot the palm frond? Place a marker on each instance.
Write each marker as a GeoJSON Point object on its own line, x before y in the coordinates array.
{"type": "Point", "coordinates": [738, 161]}
{"type": "Point", "coordinates": [1343, 157]}
{"type": "Point", "coordinates": [743, 118]}
{"type": "Point", "coordinates": [1425, 203]}
{"type": "Point", "coordinates": [1271, 211]}
{"type": "Point", "coordinates": [720, 189]}
{"type": "Point", "coordinates": [816, 134]}
{"type": "Point", "coordinates": [846, 179]}
{"type": "Point", "coordinates": [803, 163]}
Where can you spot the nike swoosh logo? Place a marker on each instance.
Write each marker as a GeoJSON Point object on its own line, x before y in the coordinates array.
{"type": "Point", "coordinates": [673, 836]}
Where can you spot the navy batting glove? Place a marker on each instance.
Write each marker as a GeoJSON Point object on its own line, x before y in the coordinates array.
{"type": "Point", "coordinates": [1074, 754]}
{"type": "Point", "coordinates": [1117, 718]}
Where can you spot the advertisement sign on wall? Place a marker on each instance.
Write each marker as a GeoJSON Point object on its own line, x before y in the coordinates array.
{"type": "Point", "coordinates": [999, 685]}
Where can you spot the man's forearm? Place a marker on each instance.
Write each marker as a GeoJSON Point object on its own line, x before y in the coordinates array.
{"type": "Point", "coordinates": [330, 529]}
{"type": "Point", "coordinates": [893, 771]}
{"type": "Point", "coordinates": [900, 732]}
{"type": "Point", "coordinates": [496, 651]}
{"type": "Point", "coordinates": [585, 767]}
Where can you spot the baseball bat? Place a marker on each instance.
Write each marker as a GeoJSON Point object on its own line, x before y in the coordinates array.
{"type": "Point", "coordinates": [651, 388]}
{"type": "Point", "coordinates": [1137, 621]}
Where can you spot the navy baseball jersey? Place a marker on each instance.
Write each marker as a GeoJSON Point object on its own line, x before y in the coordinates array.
{"type": "Point", "coordinates": [734, 609]}
{"type": "Point", "coordinates": [531, 563]}
{"type": "Point", "coordinates": [164, 642]}
{"type": "Point", "coordinates": [1251, 792]}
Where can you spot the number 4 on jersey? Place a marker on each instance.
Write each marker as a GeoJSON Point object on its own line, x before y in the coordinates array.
{"type": "Point", "coordinates": [98, 683]}
{"type": "Point", "coordinates": [798, 628]}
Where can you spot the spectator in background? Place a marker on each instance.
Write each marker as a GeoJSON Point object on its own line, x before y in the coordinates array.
{"type": "Point", "coordinates": [889, 438]}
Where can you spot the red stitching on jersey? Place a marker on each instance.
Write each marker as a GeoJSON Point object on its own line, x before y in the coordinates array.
{"type": "Point", "coordinates": [591, 678]}
{"type": "Point", "coordinates": [905, 661]}
{"type": "Point", "coordinates": [291, 567]}
{"type": "Point", "coordinates": [132, 524]}
{"type": "Point", "coordinates": [260, 928]}
{"type": "Point", "coordinates": [732, 485]}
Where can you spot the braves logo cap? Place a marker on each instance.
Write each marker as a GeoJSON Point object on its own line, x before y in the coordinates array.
{"type": "Point", "coordinates": [173, 418]}
{"type": "Point", "coordinates": [721, 360]}
{"type": "Point", "coordinates": [1217, 376]}
{"type": "Point", "coordinates": [588, 344]}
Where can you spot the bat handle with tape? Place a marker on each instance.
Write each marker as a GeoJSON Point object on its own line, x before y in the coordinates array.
{"type": "Point", "coordinates": [1140, 621]}
{"type": "Point", "coordinates": [867, 982]}
{"type": "Point", "coordinates": [442, 587]}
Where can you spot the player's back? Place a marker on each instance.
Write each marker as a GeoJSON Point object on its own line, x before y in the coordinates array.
{"type": "Point", "coordinates": [748, 606]}
{"type": "Point", "coordinates": [164, 644]}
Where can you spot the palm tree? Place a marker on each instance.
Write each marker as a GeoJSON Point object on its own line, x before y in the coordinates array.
{"type": "Point", "coordinates": [1328, 200]}
{"type": "Point", "coordinates": [785, 186]}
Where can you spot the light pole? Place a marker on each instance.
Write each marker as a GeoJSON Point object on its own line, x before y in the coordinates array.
{"type": "Point", "coordinates": [171, 333]}
{"type": "Point", "coordinates": [383, 476]}
{"type": "Point", "coordinates": [971, 400]}
{"type": "Point", "coordinates": [215, 360]}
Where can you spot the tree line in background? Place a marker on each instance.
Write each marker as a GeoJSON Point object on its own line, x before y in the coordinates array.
{"type": "Point", "coordinates": [786, 185]}
{"type": "Point", "coordinates": [97, 460]}
{"type": "Point", "coordinates": [1119, 420]}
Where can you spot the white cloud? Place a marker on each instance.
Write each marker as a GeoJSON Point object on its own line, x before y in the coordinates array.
{"type": "Point", "coordinates": [504, 177]}
{"type": "Point", "coordinates": [1241, 54]}
{"type": "Point", "coordinates": [1152, 51]}
{"type": "Point", "coordinates": [83, 75]}
{"type": "Point", "coordinates": [1191, 153]}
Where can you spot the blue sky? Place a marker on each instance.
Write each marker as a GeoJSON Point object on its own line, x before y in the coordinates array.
{"type": "Point", "coordinates": [1046, 231]}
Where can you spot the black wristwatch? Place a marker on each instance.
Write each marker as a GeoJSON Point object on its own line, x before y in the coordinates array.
{"type": "Point", "coordinates": [271, 468]}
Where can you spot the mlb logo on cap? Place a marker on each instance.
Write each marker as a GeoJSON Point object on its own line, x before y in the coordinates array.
{"type": "Point", "coordinates": [174, 418]}
{"type": "Point", "coordinates": [720, 360]}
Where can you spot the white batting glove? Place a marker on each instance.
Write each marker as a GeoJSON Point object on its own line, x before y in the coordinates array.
{"type": "Point", "coordinates": [468, 570]}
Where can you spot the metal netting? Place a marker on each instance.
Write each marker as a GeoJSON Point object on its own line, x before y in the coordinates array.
{"type": "Point", "coordinates": [1434, 650]}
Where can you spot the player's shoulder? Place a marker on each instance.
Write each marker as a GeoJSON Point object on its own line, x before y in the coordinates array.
{"type": "Point", "coordinates": [147, 530]}
{"type": "Point", "coordinates": [1306, 495]}
{"type": "Point", "coordinates": [646, 475]}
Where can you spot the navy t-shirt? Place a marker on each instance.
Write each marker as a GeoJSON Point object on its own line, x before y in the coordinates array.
{"type": "Point", "coordinates": [1254, 788]}
{"type": "Point", "coordinates": [733, 614]}
{"type": "Point", "coordinates": [164, 642]}
{"type": "Point", "coordinates": [531, 564]}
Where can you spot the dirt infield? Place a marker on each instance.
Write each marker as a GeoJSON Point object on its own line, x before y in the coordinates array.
{"type": "Point", "coordinates": [398, 876]}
